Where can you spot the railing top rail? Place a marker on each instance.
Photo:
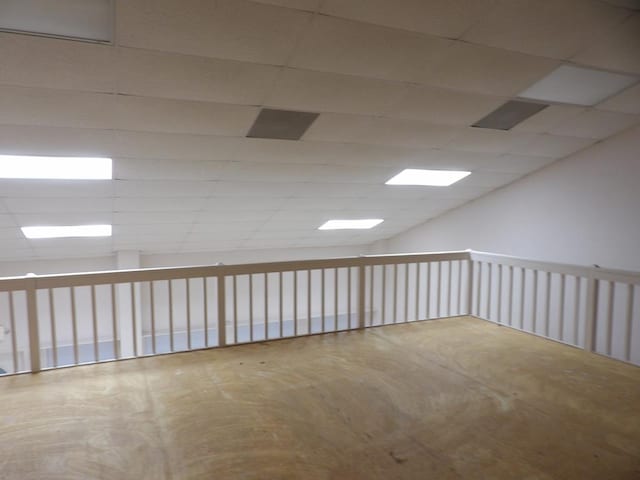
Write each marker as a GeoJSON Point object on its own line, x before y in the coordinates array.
{"type": "Point", "coordinates": [171, 273]}
{"type": "Point", "coordinates": [564, 268]}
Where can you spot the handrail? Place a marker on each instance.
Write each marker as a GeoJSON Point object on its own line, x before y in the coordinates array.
{"type": "Point", "coordinates": [573, 304]}
{"type": "Point", "coordinates": [199, 271]}
{"type": "Point", "coordinates": [607, 274]}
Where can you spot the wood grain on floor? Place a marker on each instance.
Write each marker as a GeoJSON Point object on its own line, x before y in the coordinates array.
{"type": "Point", "coordinates": [448, 399]}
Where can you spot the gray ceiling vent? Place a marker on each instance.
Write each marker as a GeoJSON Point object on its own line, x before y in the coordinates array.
{"type": "Point", "coordinates": [510, 114]}
{"type": "Point", "coordinates": [281, 124]}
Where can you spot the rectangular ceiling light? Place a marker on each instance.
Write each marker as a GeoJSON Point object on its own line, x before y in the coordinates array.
{"type": "Point", "coordinates": [59, 168]}
{"type": "Point", "coordinates": [432, 178]}
{"type": "Point", "coordinates": [281, 124]}
{"type": "Point", "coordinates": [89, 20]}
{"type": "Point", "coordinates": [578, 86]}
{"type": "Point", "coordinates": [350, 224]}
{"type": "Point", "coordinates": [509, 115]}
{"type": "Point", "coordinates": [67, 231]}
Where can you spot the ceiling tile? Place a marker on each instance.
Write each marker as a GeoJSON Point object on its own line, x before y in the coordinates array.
{"type": "Point", "coordinates": [438, 105]}
{"type": "Point", "coordinates": [54, 63]}
{"type": "Point", "coordinates": [7, 221]}
{"type": "Point", "coordinates": [487, 70]}
{"type": "Point", "coordinates": [445, 18]}
{"type": "Point", "coordinates": [596, 124]}
{"type": "Point", "coordinates": [55, 188]}
{"type": "Point", "coordinates": [545, 120]}
{"type": "Point", "coordinates": [308, 5]}
{"type": "Point", "coordinates": [162, 188]}
{"type": "Point", "coordinates": [232, 29]}
{"type": "Point", "coordinates": [528, 25]}
{"type": "Point", "coordinates": [187, 77]}
{"type": "Point", "coordinates": [174, 146]}
{"type": "Point", "coordinates": [280, 173]}
{"type": "Point", "coordinates": [378, 131]}
{"type": "Point", "coordinates": [553, 146]}
{"type": "Point", "coordinates": [166, 169]}
{"type": "Point", "coordinates": [624, 102]}
{"type": "Point", "coordinates": [150, 204]}
{"type": "Point", "coordinates": [486, 140]}
{"type": "Point", "coordinates": [35, 106]}
{"type": "Point", "coordinates": [343, 46]}
{"type": "Point", "coordinates": [182, 116]}
{"type": "Point", "coordinates": [624, 40]}
{"type": "Point", "coordinates": [160, 230]}
{"type": "Point", "coordinates": [64, 218]}
{"type": "Point", "coordinates": [58, 204]}
{"type": "Point", "coordinates": [126, 218]}
{"type": "Point", "coordinates": [329, 92]}
{"type": "Point", "coordinates": [43, 140]}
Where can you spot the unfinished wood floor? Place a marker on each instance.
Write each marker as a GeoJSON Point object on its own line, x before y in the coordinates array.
{"type": "Point", "coordinates": [448, 399]}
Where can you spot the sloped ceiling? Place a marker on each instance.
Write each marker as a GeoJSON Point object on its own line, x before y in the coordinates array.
{"type": "Point", "coordinates": [397, 83]}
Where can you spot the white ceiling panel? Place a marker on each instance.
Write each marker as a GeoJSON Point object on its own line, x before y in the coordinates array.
{"type": "Point", "coordinates": [187, 77]}
{"type": "Point", "coordinates": [329, 92]}
{"type": "Point", "coordinates": [30, 61]}
{"type": "Point", "coordinates": [438, 105]}
{"type": "Point", "coordinates": [625, 102]}
{"type": "Point", "coordinates": [617, 49]}
{"type": "Point", "coordinates": [263, 172]}
{"type": "Point", "coordinates": [58, 204]}
{"type": "Point", "coordinates": [161, 204]}
{"type": "Point", "coordinates": [553, 146]}
{"type": "Point", "coordinates": [162, 188]}
{"type": "Point", "coordinates": [308, 5]}
{"type": "Point", "coordinates": [47, 188]}
{"type": "Point", "coordinates": [487, 70]}
{"type": "Point", "coordinates": [59, 108]}
{"type": "Point", "coordinates": [445, 18]}
{"type": "Point", "coordinates": [174, 146]}
{"type": "Point", "coordinates": [64, 218]}
{"type": "Point", "coordinates": [343, 46]}
{"type": "Point", "coordinates": [555, 28]}
{"type": "Point", "coordinates": [545, 120]}
{"type": "Point", "coordinates": [167, 169]}
{"type": "Point", "coordinates": [487, 140]}
{"type": "Point", "coordinates": [149, 218]}
{"type": "Point", "coordinates": [379, 131]}
{"type": "Point", "coordinates": [232, 29]}
{"type": "Point", "coordinates": [182, 116]}
{"type": "Point", "coordinates": [44, 140]}
{"type": "Point", "coordinates": [7, 221]}
{"type": "Point", "coordinates": [595, 124]}
{"type": "Point", "coordinates": [236, 191]}
{"type": "Point", "coordinates": [310, 152]}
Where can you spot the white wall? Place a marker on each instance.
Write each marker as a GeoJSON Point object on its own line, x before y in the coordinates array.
{"type": "Point", "coordinates": [584, 209]}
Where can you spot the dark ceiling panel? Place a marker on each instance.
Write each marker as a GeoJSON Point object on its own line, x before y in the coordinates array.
{"type": "Point", "coordinates": [281, 124]}
{"type": "Point", "coordinates": [510, 114]}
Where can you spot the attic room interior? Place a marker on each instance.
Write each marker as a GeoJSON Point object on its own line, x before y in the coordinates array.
{"type": "Point", "coordinates": [320, 239]}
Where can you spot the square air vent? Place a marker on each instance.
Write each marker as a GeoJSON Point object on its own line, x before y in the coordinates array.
{"type": "Point", "coordinates": [281, 124]}
{"type": "Point", "coordinates": [509, 115]}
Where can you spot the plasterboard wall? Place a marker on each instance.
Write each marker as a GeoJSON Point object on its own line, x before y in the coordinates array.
{"type": "Point", "coordinates": [584, 209]}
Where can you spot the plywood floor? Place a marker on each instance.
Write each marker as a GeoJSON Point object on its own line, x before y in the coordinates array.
{"type": "Point", "coordinates": [448, 399]}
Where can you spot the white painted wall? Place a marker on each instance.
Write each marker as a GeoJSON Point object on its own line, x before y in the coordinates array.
{"type": "Point", "coordinates": [584, 209]}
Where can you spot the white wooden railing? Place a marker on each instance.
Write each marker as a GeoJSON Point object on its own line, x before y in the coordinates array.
{"type": "Point", "coordinates": [60, 320]}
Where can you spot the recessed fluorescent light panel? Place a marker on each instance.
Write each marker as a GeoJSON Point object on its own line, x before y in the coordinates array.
{"type": "Point", "coordinates": [578, 86]}
{"type": "Point", "coordinates": [67, 231]}
{"type": "Point", "coordinates": [281, 124]}
{"type": "Point", "coordinates": [509, 115]}
{"type": "Point", "coordinates": [350, 224]}
{"type": "Point", "coordinates": [59, 168]}
{"type": "Point", "coordinates": [432, 178]}
{"type": "Point", "coordinates": [88, 20]}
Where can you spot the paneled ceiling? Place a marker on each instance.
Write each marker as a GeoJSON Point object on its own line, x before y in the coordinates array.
{"type": "Point", "coordinates": [397, 83]}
